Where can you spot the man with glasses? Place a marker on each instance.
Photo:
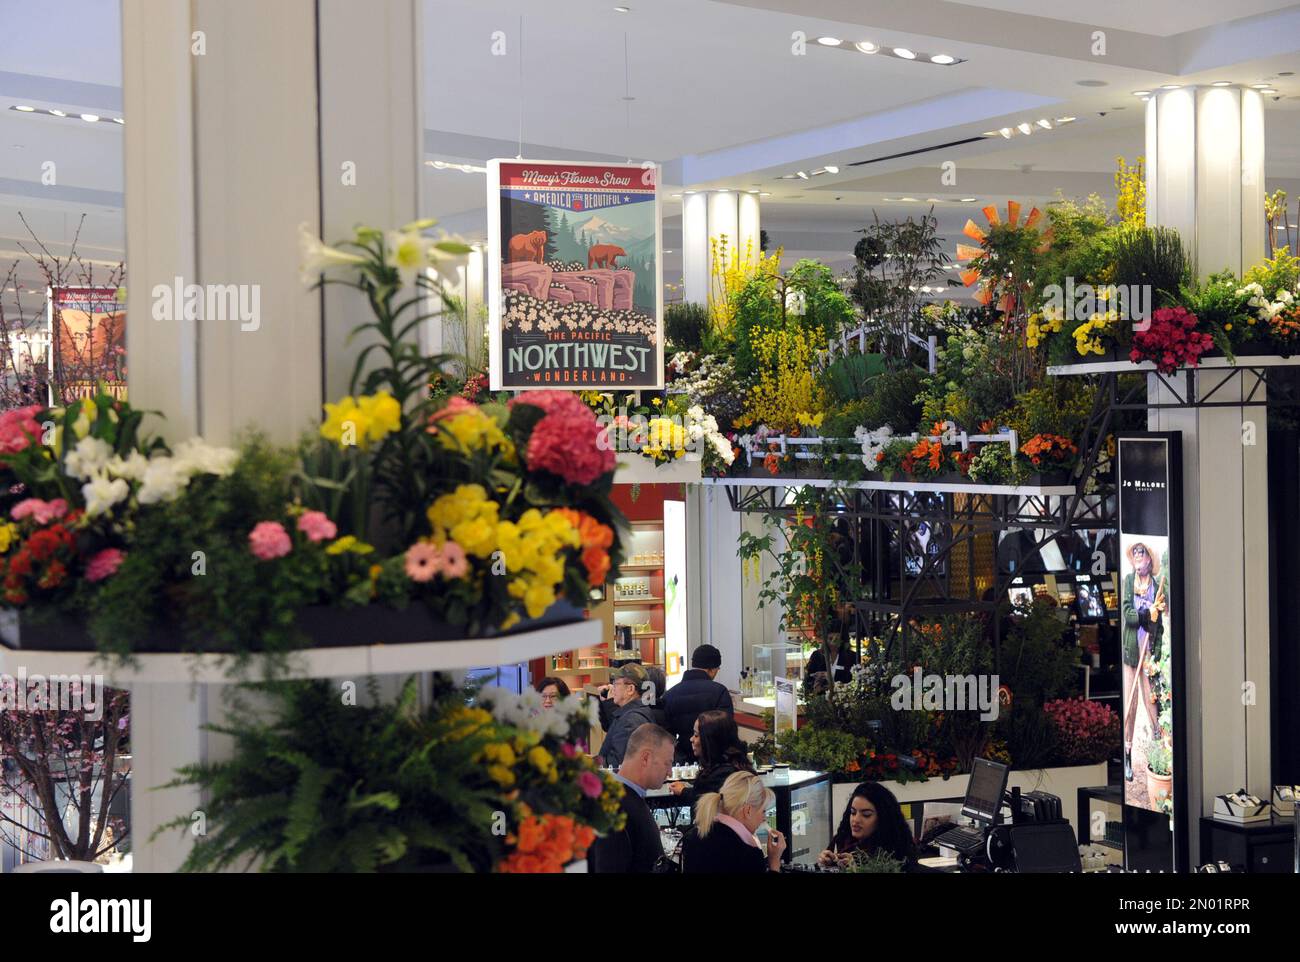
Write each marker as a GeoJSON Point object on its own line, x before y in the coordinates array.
{"type": "Point", "coordinates": [624, 709]}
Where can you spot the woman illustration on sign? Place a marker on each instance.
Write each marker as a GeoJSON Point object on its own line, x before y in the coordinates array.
{"type": "Point", "coordinates": [1143, 607]}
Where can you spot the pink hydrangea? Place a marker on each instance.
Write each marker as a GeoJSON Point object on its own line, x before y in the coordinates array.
{"type": "Point", "coordinates": [423, 561]}
{"type": "Point", "coordinates": [18, 427]}
{"type": "Point", "coordinates": [590, 784]}
{"type": "Point", "coordinates": [454, 562]}
{"type": "Point", "coordinates": [268, 540]}
{"type": "Point", "coordinates": [42, 512]}
{"type": "Point", "coordinates": [566, 441]}
{"type": "Point", "coordinates": [317, 526]}
{"type": "Point", "coordinates": [104, 564]}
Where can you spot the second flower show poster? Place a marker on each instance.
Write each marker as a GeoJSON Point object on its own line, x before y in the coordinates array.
{"type": "Point", "coordinates": [575, 276]}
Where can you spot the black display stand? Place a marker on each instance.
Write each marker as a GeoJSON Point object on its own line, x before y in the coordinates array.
{"type": "Point", "coordinates": [1251, 847]}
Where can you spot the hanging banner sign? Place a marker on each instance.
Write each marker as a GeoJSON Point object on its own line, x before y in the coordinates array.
{"type": "Point", "coordinates": [1151, 622]}
{"type": "Point", "coordinates": [575, 276]}
{"type": "Point", "coordinates": [87, 342]}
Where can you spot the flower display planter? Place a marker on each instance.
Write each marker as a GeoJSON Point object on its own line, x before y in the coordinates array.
{"type": "Point", "coordinates": [636, 469]}
{"type": "Point", "coordinates": [326, 626]}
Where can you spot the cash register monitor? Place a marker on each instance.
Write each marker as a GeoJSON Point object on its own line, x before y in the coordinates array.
{"type": "Point", "coordinates": [988, 782]}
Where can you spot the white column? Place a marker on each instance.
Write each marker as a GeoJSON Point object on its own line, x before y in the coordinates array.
{"type": "Point", "coordinates": [695, 248]}
{"type": "Point", "coordinates": [748, 222]}
{"type": "Point", "coordinates": [724, 222]}
{"type": "Point", "coordinates": [225, 149]}
{"type": "Point", "coordinates": [1205, 156]}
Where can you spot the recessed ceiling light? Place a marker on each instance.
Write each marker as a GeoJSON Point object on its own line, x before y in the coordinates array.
{"type": "Point", "coordinates": [829, 41]}
{"type": "Point", "coordinates": [968, 200]}
{"type": "Point", "coordinates": [1091, 83]}
{"type": "Point", "coordinates": [1065, 120]}
{"type": "Point", "coordinates": [1025, 128]}
{"type": "Point", "coordinates": [765, 193]}
{"type": "Point", "coordinates": [622, 9]}
{"type": "Point", "coordinates": [90, 118]}
{"type": "Point", "coordinates": [675, 196]}
{"type": "Point", "coordinates": [801, 175]}
{"type": "Point", "coordinates": [1045, 123]}
{"type": "Point", "coordinates": [1252, 87]}
{"type": "Point", "coordinates": [866, 46]}
{"type": "Point", "coordinates": [932, 200]}
{"type": "Point", "coordinates": [58, 113]}
{"type": "Point", "coordinates": [1221, 83]}
{"type": "Point", "coordinates": [1141, 93]}
{"type": "Point", "coordinates": [1268, 90]}
{"type": "Point", "coordinates": [904, 53]}
{"type": "Point", "coordinates": [751, 191]}
{"type": "Point", "coordinates": [943, 58]}
{"type": "Point", "coordinates": [724, 190]}
{"type": "Point", "coordinates": [25, 109]}
{"type": "Point", "coordinates": [118, 120]}
{"type": "Point", "coordinates": [1005, 132]}
{"type": "Point", "coordinates": [832, 170]}
{"type": "Point", "coordinates": [911, 200]}
{"type": "Point", "coordinates": [1171, 86]}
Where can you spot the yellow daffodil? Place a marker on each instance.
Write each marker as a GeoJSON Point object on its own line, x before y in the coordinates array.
{"type": "Point", "coordinates": [348, 544]}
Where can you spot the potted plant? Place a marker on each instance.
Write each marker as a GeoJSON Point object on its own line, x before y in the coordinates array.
{"type": "Point", "coordinates": [1160, 773]}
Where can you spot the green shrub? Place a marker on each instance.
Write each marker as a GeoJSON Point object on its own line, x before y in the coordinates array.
{"type": "Point", "coordinates": [685, 326]}
{"type": "Point", "coordinates": [1150, 255]}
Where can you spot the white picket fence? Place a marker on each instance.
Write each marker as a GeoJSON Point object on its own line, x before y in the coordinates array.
{"type": "Point", "coordinates": [810, 448]}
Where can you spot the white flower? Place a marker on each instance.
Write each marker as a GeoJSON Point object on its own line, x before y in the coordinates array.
{"type": "Point", "coordinates": [315, 257]}
{"type": "Point", "coordinates": [101, 494]}
{"type": "Point", "coordinates": [446, 255]}
{"type": "Point", "coordinates": [163, 480]}
{"type": "Point", "coordinates": [88, 458]}
{"type": "Point", "coordinates": [408, 252]}
{"type": "Point", "coordinates": [530, 701]}
{"type": "Point", "coordinates": [132, 467]}
{"type": "Point", "coordinates": [196, 456]}
{"type": "Point", "coordinates": [723, 448]}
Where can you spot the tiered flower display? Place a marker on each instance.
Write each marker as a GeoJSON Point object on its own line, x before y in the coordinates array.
{"type": "Point", "coordinates": [1171, 341]}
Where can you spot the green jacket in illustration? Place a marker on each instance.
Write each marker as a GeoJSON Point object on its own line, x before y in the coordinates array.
{"type": "Point", "coordinates": [1132, 619]}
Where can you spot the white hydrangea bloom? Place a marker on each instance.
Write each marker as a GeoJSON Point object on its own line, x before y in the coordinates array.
{"type": "Point", "coordinates": [101, 493]}
{"type": "Point", "coordinates": [88, 458]}
{"type": "Point", "coordinates": [196, 456]}
{"type": "Point", "coordinates": [131, 468]}
{"type": "Point", "coordinates": [164, 480]}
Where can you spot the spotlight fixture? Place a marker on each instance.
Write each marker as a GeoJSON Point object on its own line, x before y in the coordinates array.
{"type": "Point", "coordinates": [62, 114]}
{"type": "Point", "coordinates": [968, 200]}
{"type": "Point", "coordinates": [1045, 123]}
{"type": "Point", "coordinates": [904, 53]}
{"type": "Point", "coordinates": [801, 175]}
{"type": "Point", "coordinates": [831, 170]}
{"type": "Point", "coordinates": [1025, 128]}
{"type": "Point", "coordinates": [943, 59]}
{"type": "Point", "coordinates": [58, 113]}
{"type": "Point", "coordinates": [118, 120]}
{"type": "Point", "coordinates": [866, 46]}
{"type": "Point", "coordinates": [901, 53]}
{"type": "Point", "coordinates": [989, 133]}
{"type": "Point", "coordinates": [90, 118]}
{"type": "Point", "coordinates": [1221, 83]}
{"type": "Point", "coordinates": [622, 9]}
{"type": "Point", "coordinates": [829, 41]}
{"type": "Point", "coordinates": [25, 109]}
{"type": "Point", "coordinates": [1065, 120]}
{"type": "Point", "coordinates": [1006, 133]}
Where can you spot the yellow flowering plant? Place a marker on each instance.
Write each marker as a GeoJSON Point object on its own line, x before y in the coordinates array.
{"type": "Point", "coordinates": [786, 389]}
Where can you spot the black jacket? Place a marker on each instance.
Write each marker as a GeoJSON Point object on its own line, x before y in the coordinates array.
{"type": "Point", "coordinates": [722, 852]}
{"type": "Point", "coordinates": [622, 723]}
{"type": "Point", "coordinates": [845, 659]}
{"type": "Point", "coordinates": [635, 848]}
{"type": "Point", "coordinates": [684, 702]}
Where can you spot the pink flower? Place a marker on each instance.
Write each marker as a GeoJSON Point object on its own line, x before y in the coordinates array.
{"type": "Point", "coordinates": [590, 784]}
{"type": "Point", "coordinates": [454, 562]}
{"type": "Point", "coordinates": [423, 561]}
{"type": "Point", "coordinates": [317, 526]}
{"type": "Point", "coordinates": [569, 750]}
{"type": "Point", "coordinates": [104, 564]}
{"type": "Point", "coordinates": [456, 405]}
{"type": "Point", "coordinates": [566, 441]}
{"type": "Point", "coordinates": [18, 428]}
{"type": "Point", "coordinates": [269, 540]}
{"type": "Point", "coordinates": [43, 512]}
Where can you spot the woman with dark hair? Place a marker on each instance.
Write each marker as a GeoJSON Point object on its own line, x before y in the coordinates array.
{"type": "Point", "coordinates": [716, 743]}
{"type": "Point", "coordinates": [872, 823]}
{"type": "Point", "coordinates": [551, 690]}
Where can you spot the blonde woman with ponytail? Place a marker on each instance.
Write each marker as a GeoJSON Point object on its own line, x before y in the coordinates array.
{"type": "Point", "coordinates": [722, 840]}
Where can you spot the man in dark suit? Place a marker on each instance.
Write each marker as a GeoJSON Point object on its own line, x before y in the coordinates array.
{"type": "Point", "coordinates": [636, 847]}
{"type": "Point", "coordinates": [696, 692]}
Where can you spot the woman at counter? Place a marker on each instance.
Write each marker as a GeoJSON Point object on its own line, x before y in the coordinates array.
{"type": "Point", "coordinates": [716, 743]}
{"type": "Point", "coordinates": [722, 839]}
{"type": "Point", "coordinates": [872, 823]}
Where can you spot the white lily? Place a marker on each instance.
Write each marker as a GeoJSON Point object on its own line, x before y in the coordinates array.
{"type": "Point", "coordinates": [408, 252]}
{"type": "Point", "coordinates": [315, 256]}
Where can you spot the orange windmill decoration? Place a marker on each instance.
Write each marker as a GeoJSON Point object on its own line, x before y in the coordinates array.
{"type": "Point", "coordinates": [989, 286]}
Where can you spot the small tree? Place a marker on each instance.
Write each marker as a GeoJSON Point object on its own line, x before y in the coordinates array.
{"type": "Point", "coordinates": [67, 767]}
{"type": "Point", "coordinates": [894, 260]}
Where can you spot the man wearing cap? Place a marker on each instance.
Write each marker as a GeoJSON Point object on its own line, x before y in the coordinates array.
{"type": "Point", "coordinates": [696, 692]}
{"type": "Point", "coordinates": [623, 710]}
